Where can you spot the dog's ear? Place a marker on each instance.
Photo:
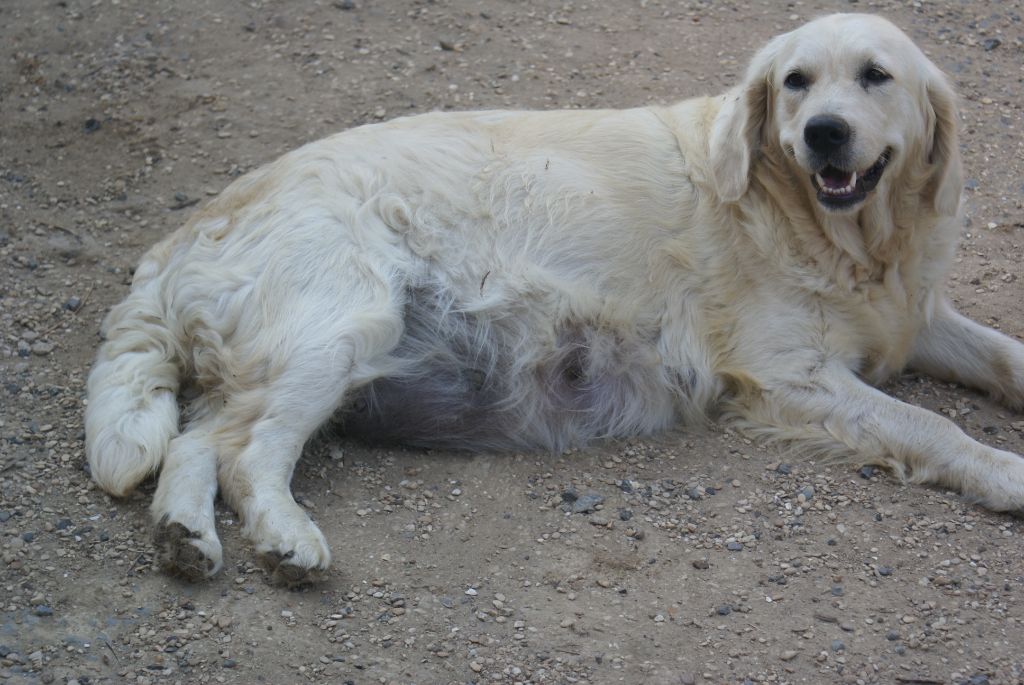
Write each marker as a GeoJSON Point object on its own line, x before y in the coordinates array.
{"type": "Point", "coordinates": [946, 183]}
{"type": "Point", "coordinates": [738, 129]}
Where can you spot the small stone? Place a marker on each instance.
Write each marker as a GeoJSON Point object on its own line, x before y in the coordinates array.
{"type": "Point", "coordinates": [734, 546]}
{"type": "Point", "coordinates": [990, 44]}
{"type": "Point", "coordinates": [224, 622]}
{"type": "Point", "coordinates": [807, 493]}
{"type": "Point", "coordinates": [476, 666]}
{"type": "Point", "coordinates": [909, 619]}
{"type": "Point", "coordinates": [884, 571]}
{"type": "Point", "coordinates": [892, 635]}
{"type": "Point", "coordinates": [42, 349]}
{"type": "Point", "coordinates": [784, 469]}
{"type": "Point", "coordinates": [587, 503]}
{"type": "Point", "coordinates": [868, 472]}
{"type": "Point", "coordinates": [837, 590]}
{"type": "Point", "coordinates": [724, 610]}
{"type": "Point", "coordinates": [659, 618]}
{"type": "Point", "coordinates": [788, 655]}
{"type": "Point", "coordinates": [63, 524]}
{"type": "Point", "coordinates": [73, 303]}
{"type": "Point", "coordinates": [567, 622]}
{"type": "Point", "coordinates": [838, 646]}
{"type": "Point", "coordinates": [471, 592]}
{"type": "Point", "coordinates": [701, 564]}
{"type": "Point", "coordinates": [229, 663]}
{"type": "Point", "coordinates": [43, 610]}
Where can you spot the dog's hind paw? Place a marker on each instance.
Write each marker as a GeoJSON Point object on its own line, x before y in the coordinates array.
{"type": "Point", "coordinates": [185, 553]}
{"type": "Point", "coordinates": [285, 572]}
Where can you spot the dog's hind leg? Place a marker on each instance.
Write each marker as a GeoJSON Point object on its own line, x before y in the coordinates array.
{"type": "Point", "coordinates": [267, 425]}
{"type": "Point", "coordinates": [182, 508]}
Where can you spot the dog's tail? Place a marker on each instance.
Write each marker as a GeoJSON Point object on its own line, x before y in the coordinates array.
{"type": "Point", "coordinates": [132, 412]}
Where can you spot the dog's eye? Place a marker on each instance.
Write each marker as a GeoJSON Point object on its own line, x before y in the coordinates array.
{"type": "Point", "coordinates": [796, 81]}
{"type": "Point", "coordinates": [874, 76]}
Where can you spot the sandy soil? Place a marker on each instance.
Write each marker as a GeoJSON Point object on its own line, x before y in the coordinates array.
{"type": "Point", "coordinates": [710, 560]}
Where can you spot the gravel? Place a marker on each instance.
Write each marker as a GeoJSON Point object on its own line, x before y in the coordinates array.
{"type": "Point", "coordinates": [123, 119]}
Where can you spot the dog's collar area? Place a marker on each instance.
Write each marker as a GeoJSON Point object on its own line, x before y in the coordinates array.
{"type": "Point", "coordinates": [841, 189]}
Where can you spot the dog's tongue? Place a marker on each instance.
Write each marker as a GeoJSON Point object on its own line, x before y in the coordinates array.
{"type": "Point", "coordinates": [836, 178]}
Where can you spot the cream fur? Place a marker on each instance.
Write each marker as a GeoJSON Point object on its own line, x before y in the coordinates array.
{"type": "Point", "coordinates": [541, 279]}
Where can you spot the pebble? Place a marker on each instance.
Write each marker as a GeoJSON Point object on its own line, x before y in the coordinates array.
{"type": "Point", "coordinates": [471, 592]}
{"type": "Point", "coordinates": [788, 655]}
{"type": "Point", "coordinates": [724, 610]}
{"type": "Point", "coordinates": [586, 503]}
{"type": "Point", "coordinates": [701, 564]}
{"type": "Point", "coordinates": [42, 349]}
{"type": "Point", "coordinates": [43, 610]}
{"type": "Point", "coordinates": [734, 546]}
{"type": "Point", "coordinates": [838, 646]}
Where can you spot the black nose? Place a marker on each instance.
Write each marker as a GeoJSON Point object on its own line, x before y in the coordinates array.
{"type": "Point", "coordinates": [826, 133]}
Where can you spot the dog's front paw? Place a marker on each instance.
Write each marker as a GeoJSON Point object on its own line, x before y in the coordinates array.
{"type": "Point", "coordinates": [187, 553]}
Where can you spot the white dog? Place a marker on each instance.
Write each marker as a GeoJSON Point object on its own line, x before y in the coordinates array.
{"type": "Point", "coordinates": [490, 280]}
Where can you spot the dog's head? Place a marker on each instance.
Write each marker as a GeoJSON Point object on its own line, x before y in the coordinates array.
{"type": "Point", "coordinates": [850, 103]}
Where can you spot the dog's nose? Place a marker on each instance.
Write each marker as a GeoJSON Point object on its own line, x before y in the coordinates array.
{"type": "Point", "coordinates": [825, 133]}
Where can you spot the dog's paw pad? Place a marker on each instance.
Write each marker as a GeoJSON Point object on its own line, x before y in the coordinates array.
{"type": "Point", "coordinates": [285, 572]}
{"type": "Point", "coordinates": [180, 552]}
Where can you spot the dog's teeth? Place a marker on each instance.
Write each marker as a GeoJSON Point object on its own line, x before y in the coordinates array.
{"type": "Point", "coordinates": [820, 180]}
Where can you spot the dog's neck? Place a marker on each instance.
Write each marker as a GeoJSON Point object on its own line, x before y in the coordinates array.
{"type": "Point", "coordinates": [851, 250]}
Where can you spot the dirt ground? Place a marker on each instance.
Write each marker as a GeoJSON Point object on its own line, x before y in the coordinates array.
{"type": "Point", "coordinates": [708, 559]}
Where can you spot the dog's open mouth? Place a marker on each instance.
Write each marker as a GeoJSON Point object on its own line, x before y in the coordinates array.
{"type": "Point", "coordinates": [840, 189]}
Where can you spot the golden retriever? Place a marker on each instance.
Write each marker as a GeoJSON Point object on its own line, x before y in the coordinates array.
{"type": "Point", "coordinates": [490, 280]}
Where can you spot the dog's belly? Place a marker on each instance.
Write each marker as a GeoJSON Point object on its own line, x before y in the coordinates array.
{"type": "Point", "coordinates": [474, 381]}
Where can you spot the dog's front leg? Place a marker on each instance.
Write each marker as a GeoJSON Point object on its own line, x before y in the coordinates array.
{"type": "Point", "coordinates": [833, 413]}
{"type": "Point", "coordinates": [952, 347]}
